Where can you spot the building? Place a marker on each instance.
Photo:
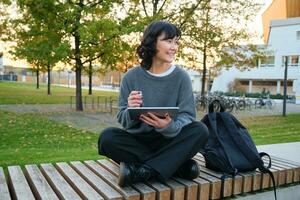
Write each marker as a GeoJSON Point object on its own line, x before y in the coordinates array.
{"type": "Point", "coordinates": [279, 9]}
{"type": "Point", "coordinates": [283, 40]}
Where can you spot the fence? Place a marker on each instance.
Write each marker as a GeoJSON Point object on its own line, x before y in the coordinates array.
{"type": "Point", "coordinates": [102, 103]}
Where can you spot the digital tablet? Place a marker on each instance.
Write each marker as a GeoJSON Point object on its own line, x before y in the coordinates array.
{"type": "Point", "coordinates": [135, 112]}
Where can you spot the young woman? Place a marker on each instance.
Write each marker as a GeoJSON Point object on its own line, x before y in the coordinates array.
{"type": "Point", "coordinates": [151, 146]}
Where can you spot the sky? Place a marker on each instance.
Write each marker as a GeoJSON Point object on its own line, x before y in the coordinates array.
{"type": "Point", "coordinates": [256, 27]}
{"type": "Point", "coordinates": [257, 23]}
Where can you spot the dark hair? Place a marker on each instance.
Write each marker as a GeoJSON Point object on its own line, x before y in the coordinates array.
{"type": "Point", "coordinates": [147, 49]}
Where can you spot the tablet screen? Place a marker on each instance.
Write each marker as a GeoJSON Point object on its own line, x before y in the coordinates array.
{"type": "Point", "coordinates": [135, 112]}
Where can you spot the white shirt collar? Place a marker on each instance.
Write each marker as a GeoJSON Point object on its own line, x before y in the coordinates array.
{"type": "Point", "coordinates": [166, 73]}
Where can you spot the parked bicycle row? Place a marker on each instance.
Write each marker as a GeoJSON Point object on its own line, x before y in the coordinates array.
{"type": "Point", "coordinates": [232, 103]}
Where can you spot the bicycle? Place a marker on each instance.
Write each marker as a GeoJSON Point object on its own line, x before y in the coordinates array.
{"type": "Point", "coordinates": [267, 103]}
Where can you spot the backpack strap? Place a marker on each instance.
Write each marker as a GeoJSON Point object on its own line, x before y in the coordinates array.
{"type": "Point", "coordinates": [217, 103]}
{"type": "Point", "coordinates": [245, 149]}
{"type": "Point", "coordinates": [235, 135]}
{"type": "Point", "coordinates": [262, 154]}
{"type": "Point", "coordinates": [212, 117]}
{"type": "Point", "coordinates": [273, 180]}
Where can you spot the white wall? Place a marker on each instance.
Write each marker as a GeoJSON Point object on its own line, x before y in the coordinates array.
{"type": "Point", "coordinates": [283, 42]}
{"type": "Point", "coordinates": [196, 79]}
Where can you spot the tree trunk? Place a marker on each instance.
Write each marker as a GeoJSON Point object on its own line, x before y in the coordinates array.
{"type": "Point", "coordinates": [37, 78]}
{"type": "Point", "coordinates": [206, 39]}
{"type": "Point", "coordinates": [204, 71]}
{"type": "Point", "coordinates": [77, 53]}
{"type": "Point", "coordinates": [49, 79]}
{"type": "Point", "coordinates": [79, 106]}
{"type": "Point", "coordinates": [90, 78]}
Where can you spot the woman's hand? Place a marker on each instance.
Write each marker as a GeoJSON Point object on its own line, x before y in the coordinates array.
{"type": "Point", "coordinates": [155, 121]}
{"type": "Point", "coordinates": [135, 99]}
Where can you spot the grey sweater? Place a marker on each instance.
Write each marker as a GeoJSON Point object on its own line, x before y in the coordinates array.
{"type": "Point", "coordinates": [174, 89]}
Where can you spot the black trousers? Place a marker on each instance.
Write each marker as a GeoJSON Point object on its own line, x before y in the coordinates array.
{"type": "Point", "coordinates": [165, 155]}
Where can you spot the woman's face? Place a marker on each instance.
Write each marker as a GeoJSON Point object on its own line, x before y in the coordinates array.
{"type": "Point", "coordinates": [166, 49]}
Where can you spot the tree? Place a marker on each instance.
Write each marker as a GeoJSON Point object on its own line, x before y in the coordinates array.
{"type": "Point", "coordinates": [96, 35]}
{"type": "Point", "coordinates": [214, 33]}
{"type": "Point", "coordinates": [37, 37]}
{"type": "Point", "coordinates": [212, 30]}
{"type": "Point", "coordinates": [3, 16]}
{"type": "Point", "coordinates": [105, 50]}
{"type": "Point", "coordinates": [86, 28]}
{"type": "Point", "coordinates": [141, 13]}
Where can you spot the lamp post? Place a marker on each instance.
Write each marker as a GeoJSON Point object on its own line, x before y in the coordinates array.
{"type": "Point", "coordinates": [285, 85]}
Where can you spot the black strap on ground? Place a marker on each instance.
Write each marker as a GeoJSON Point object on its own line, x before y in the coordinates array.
{"type": "Point", "coordinates": [273, 181]}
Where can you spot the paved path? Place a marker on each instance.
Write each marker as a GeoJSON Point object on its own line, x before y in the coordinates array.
{"type": "Point", "coordinates": [42, 108]}
{"type": "Point", "coordinates": [289, 151]}
{"type": "Point", "coordinates": [95, 121]}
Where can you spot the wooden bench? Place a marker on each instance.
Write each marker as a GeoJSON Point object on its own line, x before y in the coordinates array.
{"type": "Point", "coordinates": [98, 180]}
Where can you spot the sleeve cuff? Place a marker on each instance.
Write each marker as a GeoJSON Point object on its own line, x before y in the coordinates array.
{"type": "Point", "coordinates": [169, 131]}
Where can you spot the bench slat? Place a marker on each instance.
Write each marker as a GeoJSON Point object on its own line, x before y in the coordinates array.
{"type": "Point", "coordinates": [215, 185]}
{"type": "Point", "coordinates": [58, 183]}
{"type": "Point", "coordinates": [295, 169]}
{"type": "Point", "coordinates": [127, 192]}
{"type": "Point", "coordinates": [291, 171]}
{"type": "Point", "coordinates": [191, 188]}
{"type": "Point", "coordinates": [78, 183]}
{"type": "Point", "coordinates": [237, 181]}
{"type": "Point", "coordinates": [204, 187]}
{"type": "Point", "coordinates": [145, 190]}
{"type": "Point", "coordinates": [38, 183]}
{"type": "Point", "coordinates": [277, 171]}
{"type": "Point", "coordinates": [256, 181]}
{"type": "Point", "coordinates": [4, 193]}
{"type": "Point", "coordinates": [227, 182]}
{"type": "Point", "coordinates": [265, 179]}
{"type": "Point", "coordinates": [18, 184]}
{"type": "Point", "coordinates": [285, 160]}
{"type": "Point", "coordinates": [98, 180]}
{"type": "Point", "coordinates": [162, 192]}
{"type": "Point", "coordinates": [282, 174]}
{"type": "Point", "coordinates": [247, 181]}
{"type": "Point", "coordinates": [294, 165]}
{"type": "Point", "coordinates": [95, 181]}
{"type": "Point", "coordinates": [177, 189]}
{"type": "Point", "coordinates": [276, 177]}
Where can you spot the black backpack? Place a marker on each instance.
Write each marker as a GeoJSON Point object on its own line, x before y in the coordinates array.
{"type": "Point", "coordinates": [230, 149]}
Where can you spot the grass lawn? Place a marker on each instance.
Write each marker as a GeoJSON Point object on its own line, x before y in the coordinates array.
{"type": "Point", "coordinates": [273, 129]}
{"type": "Point", "coordinates": [24, 93]}
{"type": "Point", "coordinates": [31, 138]}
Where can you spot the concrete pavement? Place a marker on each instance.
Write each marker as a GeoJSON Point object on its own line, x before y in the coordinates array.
{"type": "Point", "coordinates": [288, 151]}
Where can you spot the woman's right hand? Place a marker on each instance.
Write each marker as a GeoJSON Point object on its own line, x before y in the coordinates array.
{"type": "Point", "coordinates": [135, 99]}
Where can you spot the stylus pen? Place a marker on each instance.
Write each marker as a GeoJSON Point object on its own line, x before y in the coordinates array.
{"type": "Point", "coordinates": [141, 94]}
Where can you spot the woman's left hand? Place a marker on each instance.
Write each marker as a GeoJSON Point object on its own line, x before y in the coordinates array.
{"type": "Point", "coordinates": [156, 121]}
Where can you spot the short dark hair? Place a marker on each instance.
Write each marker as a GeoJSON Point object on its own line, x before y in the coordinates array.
{"type": "Point", "coordinates": [146, 50]}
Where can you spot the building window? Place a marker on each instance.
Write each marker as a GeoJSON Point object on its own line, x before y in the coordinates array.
{"type": "Point", "coordinates": [244, 82]}
{"type": "Point", "coordinates": [298, 35]}
{"type": "Point", "coordinates": [267, 61]}
{"type": "Point", "coordinates": [293, 61]}
{"type": "Point", "coordinates": [264, 83]}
